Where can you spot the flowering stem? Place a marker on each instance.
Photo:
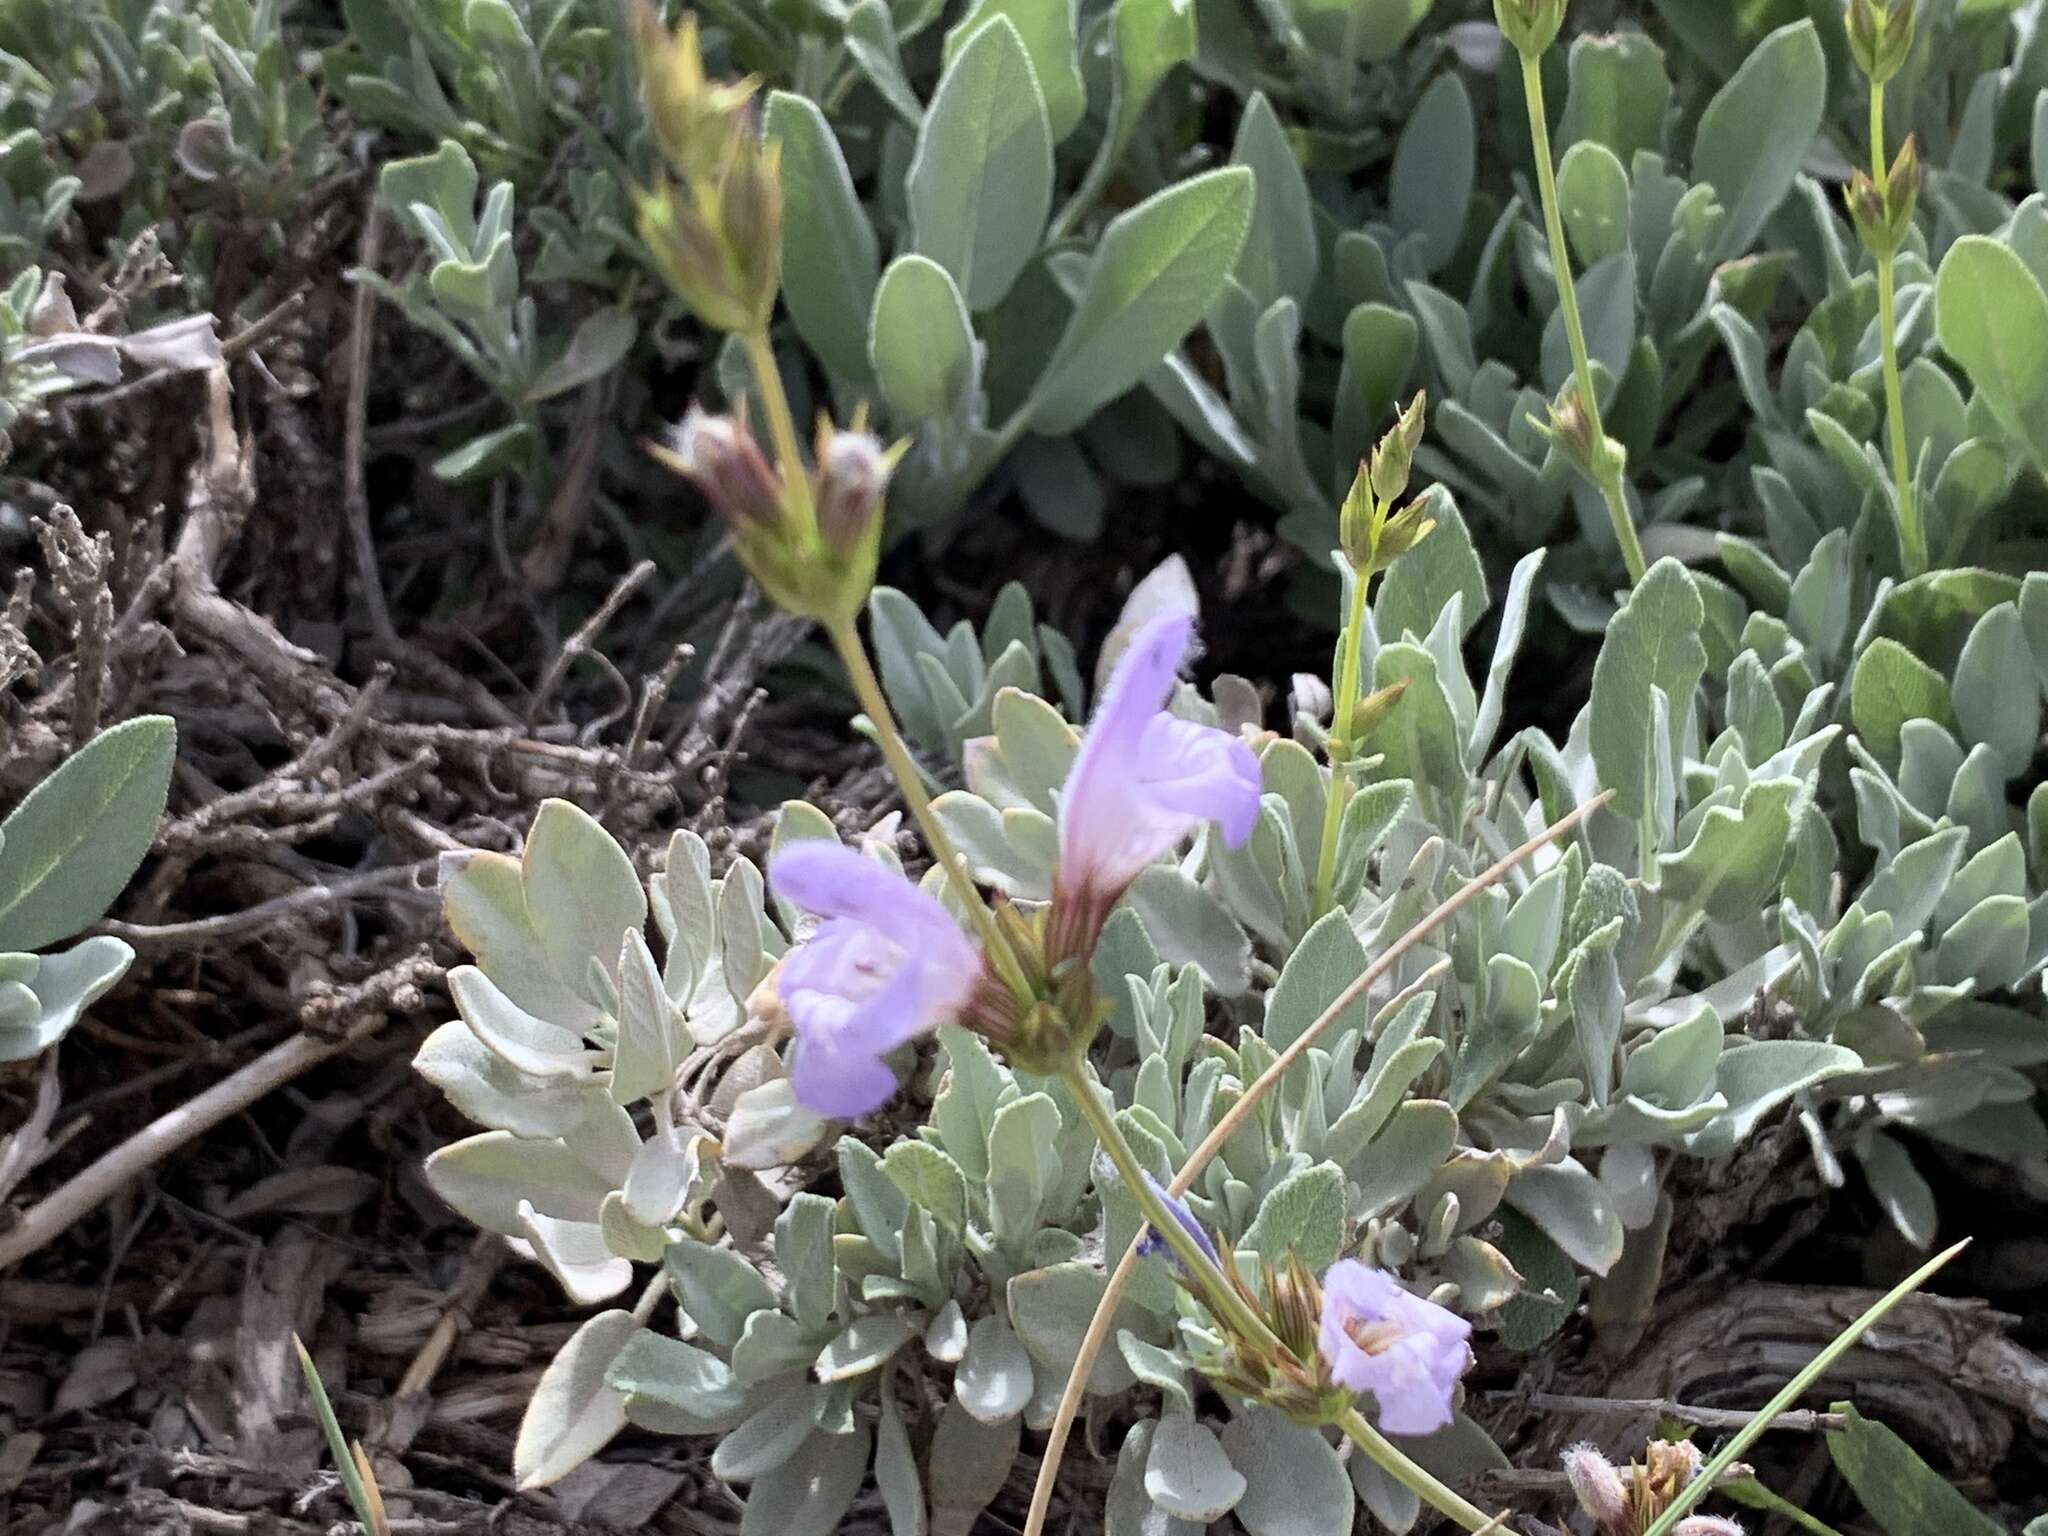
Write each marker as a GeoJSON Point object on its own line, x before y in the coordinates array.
{"type": "Point", "coordinates": [1387, 1456]}
{"type": "Point", "coordinates": [1349, 645]}
{"type": "Point", "coordinates": [781, 425]}
{"type": "Point", "coordinates": [1912, 535]}
{"type": "Point", "coordinates": [1197, 1268]}
{"type": "Point", "coordinates": [867, 688]}
{"type": "Point", "coordinates": [1605, 467]}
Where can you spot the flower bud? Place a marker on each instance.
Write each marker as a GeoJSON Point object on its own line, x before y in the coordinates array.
{"type": "Point", "coordinates": [1598, 1487]}
{"type": "Point", "coordinates": [1530, 25]}
{"type": "Point", "coordinates": [690, 115]}
{"type": "Point", "coordinates": [1396, 452]}
{"type": "Point", "coordinates": [1883, 215]}
{"type": "Point", "coordinates": [1880, 36]}
{"type": "Point", "coordinates": [1707, 1525]}
{"type": "Point", "coordinates": [852, 472]}
{"type": "Point", "coordinates": [720, 457]}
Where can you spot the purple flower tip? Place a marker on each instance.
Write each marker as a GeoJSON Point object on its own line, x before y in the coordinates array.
{"type": "Point", "coordinates": [1150, 1243]}
{"type": "Point", "coordinates": [886, 965]}
{"type": "Point", "coordinates": [1407, 1352]}
{"type": "Point", "coordinates": [1144, 778]}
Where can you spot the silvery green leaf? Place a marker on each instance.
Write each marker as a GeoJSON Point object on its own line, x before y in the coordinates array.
{"type": "Point", "coordinates": [1294, 1484]}
{"type": "Point", "coordinates": [718, 1289]}
{"type": "Point", "coordinates": [1757, 130]}
{"type": "Point", "coordinates": [879, 1207]}
{"type": "Point", "coordinates": [627, 1236]}
{"type": "Point", "coordinates": [976, 1087]}
{"type": "Point", "coordinates": [1592, 198]}
{"type": "Point", "coordinates": [896, 1473]}
{"type": "Point", "coordinates": [1534, 924]}
{"type": "Point", "coordinates": [1155, 272]}
{"type": "Point", "coordinates": [485, 1178]}
{"type": "Point", "coordinates": [598, 345]}
{"type": "Point", "coordinates": [980, 186]}
{"type": "Point", "coordinates": [1420, 739]}
{"type": "Point", "coordinates": [1187, 1473]}
{"type": "Point", "coordinates": [487, 1089]}
{"type": "Point", "coordinates": [653, 1039]}
{"type": "Point", "coordinates": [1128, 1509]}
{"type": "Point", "coordinates": [1756, 1076]}
{"type": "Point", "coordinates": [770, 1128]}
{"type": "Point", "coordinates": [1000, 846]}
{"type": "Point", "coordinates": [1906, 1198]}
{"type": "Point", "coordinates": [1993, 704]}
{"type": "Point", "coordinates": [1303, 1214]}
{"type": "Point", "coordinates": [829, 257]}
{"type": "Point", "coordinates": [1573, 1209]}
{"type": "Point", "coordinates": [1999, 870]}
{"type": "Point", "coordinates": [1160, 1368]}
{"type": "Point", "coordinates": [1328, 959]}
{"type": "Point", "coordinates": [945, 1339]}
{"type": "Point", "coordinates": [1023, 1166]}
{"type": "Point", "coordinates": [1732, 866]}
{"type": "Point", "coordinates": [1992, 317]}
{"type": "Point", "coordinates": [1047, 28]}
{"type": "Point", "coordinates": [1279, 258]}
{"type": "Point", "coordinates": [582, 892]}
{"type": "Point", "coordinates": [1486, 1281]}
{"type": "Point", "coordinates": [1417, 1138]}
{"type": "Point", "coordinates": [1676, 1067]}
{"type": "Point", "coordinates": [745, 942]}
{"type": "Point", "coordinates": [772, 1344]}
{"type": "Point", "coordinates": [575, 1253]}
{"type": "Point", "coordinates": [1370, 815]}
{"type": "Point", "coordinates": [769, 1436]}
{"type": "Point", "coordinates": [1514, 617]}
{"type": "Point", "coordinates": [1430, 186]}
{"type": "Point", "coordinates": [920, 341]}
{"type": "Point", "coordinates": [684, 912]}
{"type": "Point", "coordinates": [1988, 946]}
{"type": "Point", "coordinates": [871, 41]}
{"type": "Point", "coordinates": [1420, 586]}
{"type": "Point", "coordinates": [969, 1463]}
{"type": "Point", "coordinates": [1379, 357]}
{"type": "Point", "coordinates": [1190, 926]}
{"type": "Point", "coordinates": [929, 1179]}
{"type": "Point", "coordinates": [815, 1487]}
{"type": "Point", "coordinates": [1652, 643]}
{"type": "Point", "coordinates": [69, 847]}
{"type": "Point", "coordinates": [1391, 1504]}
{"type": "Point", "coordinates": [995, 1380]}
{"type": "Point", "coordinates": [1050, 1309]}
{"type": "Point", "coordinates": [63, 986]}
{"type": "Point", "coordinates": [803, 1252]}
{"type": "Point", "coordinates": [1606, 294]}
{"type": "Point", "coordinates": [678, 1377]}
{"type": "Point", "coordinates": [864, 1345]}
{"type": "Point", "coordinates": [574, 1412]}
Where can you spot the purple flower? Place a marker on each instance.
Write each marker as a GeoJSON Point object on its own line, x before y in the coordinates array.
{"type": "Point", "coordinates": [1151, 1243]}
{"type": "Point", "coordinates": [888, 964]}
{"type": "Point", "coordinates": [1407, 1352]}
{"type": "Point", "coordinates": [1143, 778]}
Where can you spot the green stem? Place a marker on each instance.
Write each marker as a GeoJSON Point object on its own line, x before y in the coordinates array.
{"type": "Point", "coordinates": [781, 425]}
{"type": "Point", "coordinates": [867, 688]}
{"type": "Point", "coordinates": [1387, 1456]}
{"type": "Point", "coordinates": [1200, 1271]}
{"type": "Point", "coordinates": [1792, 1391]}
{"type": "Point", "coordinates": [1346, 667]}
{"type": "Point", "coordinates": [1912, 535]}
{"type": "Point", "coordinates": [1606, 467]}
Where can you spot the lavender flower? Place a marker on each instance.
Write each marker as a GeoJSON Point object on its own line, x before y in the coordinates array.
{"type": "Point", "coordinates": [1407, 1352]}
{"type": "Point", "coordinates": [1151, 1243]}
{"type": "Point", "coordinates": [1144, 779]}
{"type": "Point", "coordinates": [887, 965]}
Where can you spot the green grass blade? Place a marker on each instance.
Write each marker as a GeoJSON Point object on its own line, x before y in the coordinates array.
{"type": "Point", "coordinates": [367, 1508]}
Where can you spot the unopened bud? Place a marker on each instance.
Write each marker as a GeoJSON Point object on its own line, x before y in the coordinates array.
{"type": "Point", "coordinates": [1372, 711]}
{"type": "Point", "coordinates": [720, 457]}
{"type": "Point", "coordinates": [691, 116]}
{"type": "Point", "coordinates": [1396, 452]}
{"type": "Point", "coordinates": [1404, 530]}
{"type": "Point", "coordinates": [1598, 1487]}
{"type": "Point", "coordinates": [852, 472]}
{"type": "Point", "coordinates": [1529, 25]}
{"type": "Point", "coordinates": [1883, 215]}
{"type": "Point", "coordinates": [1670, 1467]}
{"type": "Point", "coordinates": [1707, 1525]}
{"type": "Point", "coordinates": [1880, 36]}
